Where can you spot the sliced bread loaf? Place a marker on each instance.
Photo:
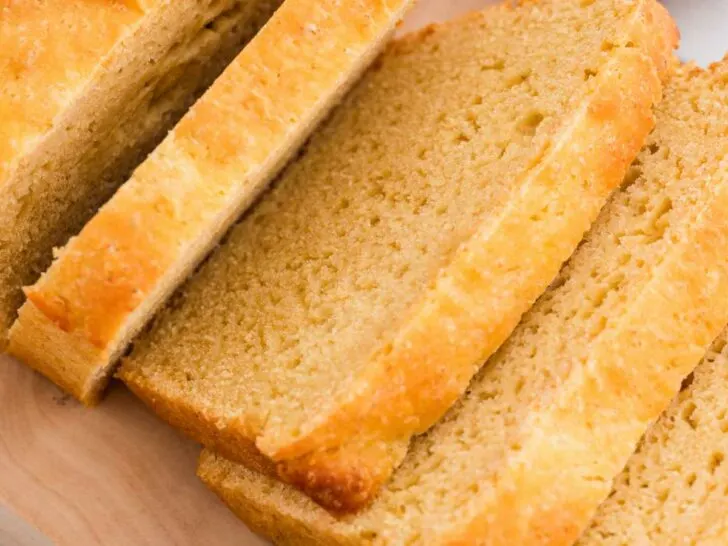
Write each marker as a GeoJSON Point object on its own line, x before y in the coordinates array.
{"type": "Point", "coordinates": [530, 451]}
{"type": "Point", "coordinates": [674, 490]}
{"type": "Point", "coordinates": [107, 282]}
{"type": "Point", "coordinates": [87, 88]}
{"type": "Point", "coordinates": [353, 305]}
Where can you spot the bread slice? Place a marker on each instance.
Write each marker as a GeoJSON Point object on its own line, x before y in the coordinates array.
{"type": "Point", "coordinates": [108, 281]}
{"type": "Point", "coordinates": [674, 490]}
{"type": "Point", "coordinates": [352, 306]}
{"type": "Point", "coordinates": [530, 451]}
{"type": "Point", "coordinates": [87, 89]}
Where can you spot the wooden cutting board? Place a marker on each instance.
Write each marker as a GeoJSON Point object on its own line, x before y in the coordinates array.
{"type": "Point", "coordinates": [115, 475]}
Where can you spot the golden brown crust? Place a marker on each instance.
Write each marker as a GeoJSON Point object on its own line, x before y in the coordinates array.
{"type": "Point", "coordinates": [39, 41]}
{"type": "Point", "coordinates": [103, 95]}
{"type": "Point", "coordinates": [344, 479]}
{"type": "Point", "coordinates": [129, 257]}
{"type": "Point", "coordinates": [657, 33]}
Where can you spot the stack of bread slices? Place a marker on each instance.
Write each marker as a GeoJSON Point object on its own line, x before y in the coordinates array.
{"type": "Point", "coordinates": [470, 292]}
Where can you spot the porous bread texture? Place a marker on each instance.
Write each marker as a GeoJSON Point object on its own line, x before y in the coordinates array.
{"type": "Point", "coordinates": [530, 451]}
{"type": "Point", "coordinates": [674, 490]}
{"type": "Point", "coordinates": [107, 282]}
{"type": "Point", "coordinates": [87, 89]}
{"type": "Point", "coordinates": [352, 306]}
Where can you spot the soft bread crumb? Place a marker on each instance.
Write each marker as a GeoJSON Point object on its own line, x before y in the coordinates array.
{"type": "Point", "coordinates": [531, 449]}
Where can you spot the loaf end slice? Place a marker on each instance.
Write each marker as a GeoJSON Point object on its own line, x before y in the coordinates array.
{"type": "Point", "coordinates": [354, 303]}
{"type": "Point", "coordinates": [87, 89]}
{"type": "Point", "coordinates": [107, 282]}
{"type": "Point", "coordinates": [530, 451]}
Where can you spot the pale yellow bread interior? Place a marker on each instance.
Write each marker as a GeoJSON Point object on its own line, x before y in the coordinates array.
{"type": "Point", "coordinates": [530, 451]}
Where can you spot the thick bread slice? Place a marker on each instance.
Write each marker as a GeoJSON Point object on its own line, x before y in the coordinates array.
{"type": "Point", "coordinates": [674, 490]}
{"type": "Point", "coordinates": [528, 454]}
{"type": "Point", "coordinates": [87, 89]}
{"type": "Point", "coordinates": [352, 306]}
{"type": "Point", "coordinates": [108, 281]}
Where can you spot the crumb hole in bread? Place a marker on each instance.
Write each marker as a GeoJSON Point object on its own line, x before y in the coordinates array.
{"type": "Point", "coordinates": [688, 413]}
{"type": "Point", "coordinates": [659, 222]}
{"type": "Point", "coordinates": [530, 123]}
{"type": "Point", "coordinates": [633, 174]}
{"type": "Point", "coordinates": [520, 78]}
{"type": "Point", "coordinates": [498, 64]}
{"type": "Point", "coordinates": [687, 382]}
{"type": "Point", "coordinates": [716, 459]}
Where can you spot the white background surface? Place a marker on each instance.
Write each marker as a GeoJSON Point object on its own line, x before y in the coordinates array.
{"type": "Point", "coordinates": [704, 28]}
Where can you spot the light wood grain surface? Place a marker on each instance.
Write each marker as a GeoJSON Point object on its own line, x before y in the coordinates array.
{"type": "Point", "coordinates": [111, 476]}
{"type": "Point", "coordinates": [115, 475]}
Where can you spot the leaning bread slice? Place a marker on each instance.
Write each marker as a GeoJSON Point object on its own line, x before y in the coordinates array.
{"type": "Point", "coordinates": [353, 305]}
{"type": "Point", "coordinates": [105, 284]}
{"type": "Point", "coordinates": [87, 89]}
{"type": "Point", "coordinates": [674, 490]}
{"type": "Point", "coordinates": [530, 451]}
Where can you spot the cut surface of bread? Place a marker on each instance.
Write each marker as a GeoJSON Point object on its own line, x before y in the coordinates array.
{"type": "Point", "coordinates": [107, 282]}
{"type": "Point", "coordinates": [674, 490]}
{"type": "Point", "coordinates": [530, 451]}
{"type": "Point", "coordinates": [354, 303]}
{"type": "Point", "coordinates": [87, 89]}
